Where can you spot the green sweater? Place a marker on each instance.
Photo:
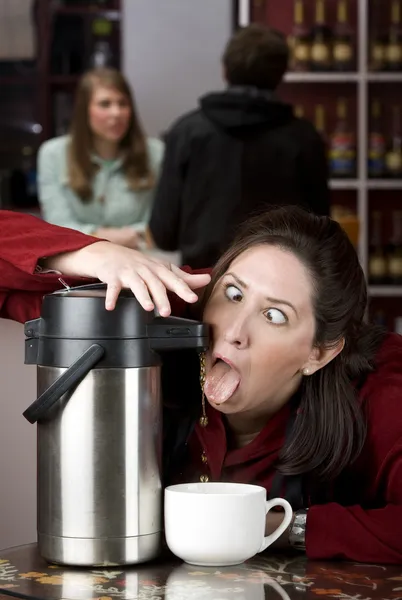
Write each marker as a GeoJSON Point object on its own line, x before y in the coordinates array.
{"type": "Point", "coordinates": [120, 206]}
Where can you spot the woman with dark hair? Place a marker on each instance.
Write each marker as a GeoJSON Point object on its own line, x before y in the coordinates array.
{"type": "Point", "coordinates": [100, 178]}
{"type": "Point", "coordinates": [298, 394]}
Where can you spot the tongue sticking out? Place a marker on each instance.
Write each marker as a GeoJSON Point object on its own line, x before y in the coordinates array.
{"type": "Point", "coordinates": [221, 383]}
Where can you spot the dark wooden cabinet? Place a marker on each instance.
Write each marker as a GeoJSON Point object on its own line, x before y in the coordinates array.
{"type": "Point", "coordinates": [36, 95]}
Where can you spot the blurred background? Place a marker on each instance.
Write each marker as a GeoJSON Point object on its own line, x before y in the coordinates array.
{"type": "Point", "coordinates": [345, 76]}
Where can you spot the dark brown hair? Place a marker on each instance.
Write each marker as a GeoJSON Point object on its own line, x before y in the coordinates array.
{"type": "Point", "coordinates": [256, 56]}
{"type": "Point", "coordinates": [81, 168]}
{"type": "Point", "coordinates": [329, 428]}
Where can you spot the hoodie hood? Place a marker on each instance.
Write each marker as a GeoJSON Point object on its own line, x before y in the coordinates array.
{"type": "Point", "coordinates": [246, 107]}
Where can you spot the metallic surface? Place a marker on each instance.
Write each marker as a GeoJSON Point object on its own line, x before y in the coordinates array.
{"type": "Point", "coordinates": [99, 552]}
{"type": "Point", "coordinates": [99, 469]}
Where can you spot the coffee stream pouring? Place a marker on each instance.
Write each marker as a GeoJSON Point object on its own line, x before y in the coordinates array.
{"type": "Point", "coordinates": [99, 416]}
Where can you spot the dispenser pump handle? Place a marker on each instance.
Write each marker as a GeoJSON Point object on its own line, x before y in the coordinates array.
{"type": "Point", "coordinates": [70, 378]}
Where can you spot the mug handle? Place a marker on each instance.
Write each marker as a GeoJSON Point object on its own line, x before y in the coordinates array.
{"type": "Point", "coordinates": [287, 519]}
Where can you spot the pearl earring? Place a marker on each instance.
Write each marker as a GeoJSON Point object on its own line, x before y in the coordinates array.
{"type": "Point", "coordinates": [305, 371]}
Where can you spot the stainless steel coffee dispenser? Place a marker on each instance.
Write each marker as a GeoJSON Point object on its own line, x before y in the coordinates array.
{"type": "Point", "coordinates": [99, 415]}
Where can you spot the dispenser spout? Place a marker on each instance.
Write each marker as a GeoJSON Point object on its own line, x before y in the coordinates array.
{"type": "Point", "coordinates": [174, 333]}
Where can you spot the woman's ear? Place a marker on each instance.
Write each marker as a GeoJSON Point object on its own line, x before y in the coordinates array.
{"type": "Point", "coordinates": [321, 356]}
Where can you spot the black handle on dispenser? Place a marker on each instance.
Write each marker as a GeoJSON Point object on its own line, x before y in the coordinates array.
{"type": "Point", "coordinates": [70, 378]}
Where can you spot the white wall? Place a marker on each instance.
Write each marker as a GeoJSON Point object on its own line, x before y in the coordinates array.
{"type": "Point", "coordinates": [171, 54]}
{"type": "Point", "coordinates": [17, 440]}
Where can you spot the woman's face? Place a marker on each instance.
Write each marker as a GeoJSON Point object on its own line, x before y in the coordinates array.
{"type": "Point", "coordinates": [109, 114]}
{"type": "Point", "coordinates": [262, 322]}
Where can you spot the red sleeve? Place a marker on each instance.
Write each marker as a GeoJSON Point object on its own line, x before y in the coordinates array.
{"type": "Point", "coordinates": [24, 240]}
{"type": "Point", "coordinates": [371, 533]}
{"type": "Point", "coordinates": [354, 533]}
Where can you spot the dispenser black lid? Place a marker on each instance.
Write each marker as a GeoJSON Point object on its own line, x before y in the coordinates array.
{"type": "Point", "coordinates": [79, 313]}
{"type": "Point", "coordinates": [72, 319]}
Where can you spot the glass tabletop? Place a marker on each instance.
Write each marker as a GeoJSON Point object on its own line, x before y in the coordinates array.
{"type": "Point", "coordinates": [24, 574]}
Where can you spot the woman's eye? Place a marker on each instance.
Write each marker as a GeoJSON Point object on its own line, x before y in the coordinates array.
{"type": "Point", "coordinates": [276, 316]}
{"type": "Point", "coordinates": [233, 293]}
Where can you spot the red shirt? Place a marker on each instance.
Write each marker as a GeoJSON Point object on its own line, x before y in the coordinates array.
{"type": "Point", "coordinates": [368, 531]}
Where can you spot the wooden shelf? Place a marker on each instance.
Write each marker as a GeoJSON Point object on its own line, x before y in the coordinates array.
{"type": "Point", "coordinates": [321, 77]}
{"type": "Point", "coordinates": [384, 184]}
{"type": "Point", "coordinates": [344, 184]}
{"type": "Point", "coordinates": [342, 77]}
{"type": "Point", "coordinates": [382, 291]}
{"type": "Point", "coordinates": [384, 77]}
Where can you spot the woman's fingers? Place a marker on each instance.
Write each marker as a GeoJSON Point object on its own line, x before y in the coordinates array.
{"type": "Point", "coordinates": [112, 293]}
{"type": "Point", "coordinates": [133, 282]}
{"type": "Point", "coordinates": [176, 284]}
{"type": "Point", "coordinates": [156, 289]}
{"type": "Point", "coordinates": [193, 280]}
{"type": "Point", "coordinates": [148, 279]}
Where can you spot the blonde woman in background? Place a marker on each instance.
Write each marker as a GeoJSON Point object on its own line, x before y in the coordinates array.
{"type": "Point", "coordinates": [100, 179]}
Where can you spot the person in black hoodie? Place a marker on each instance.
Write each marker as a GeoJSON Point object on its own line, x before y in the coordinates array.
{"type": "Point", "coordinates": [240, 152]}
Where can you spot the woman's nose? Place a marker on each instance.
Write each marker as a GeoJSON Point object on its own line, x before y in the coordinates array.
{"type": "Point", "coordinates": [236, 332]}
{"type": "Point", "coordinates": [115, 109]}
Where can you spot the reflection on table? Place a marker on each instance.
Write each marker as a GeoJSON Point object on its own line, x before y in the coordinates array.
{"type": "Point", "coordinates": [24, 574]}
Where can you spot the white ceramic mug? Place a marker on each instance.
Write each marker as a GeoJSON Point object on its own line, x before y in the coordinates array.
{"type": "Point", "coordinates": [219, 524]}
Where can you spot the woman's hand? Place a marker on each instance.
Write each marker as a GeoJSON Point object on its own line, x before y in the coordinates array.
{"type": "Point", "coordinates": [119, 267]}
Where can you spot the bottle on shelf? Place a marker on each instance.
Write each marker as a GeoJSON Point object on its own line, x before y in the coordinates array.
{"type": "Point", "coordinates": [348, 220]}
{"type": "Point", "coordinates": [377, 40]}
{"type": "Point", "coordinates": [393, 156]}
{"type": "Point", "coordinates": [343, 43]}
{"type": "Point", "coordinates": [393, 49]}
{"type": "Point", "coordinates": [377, 263]}
{"type": "Point", "coordinates": [342, 146]}
{"type": "Point", "coordinates": [320, 121]}
{"type": "Point", "coordinates": [102, 53]}
{"type": "Point", "coordinates": [320, 40]}
{"type": "Point", "coordinates": [300, 40]}
{"type": "Point", "coordinates": [299, 111]}
{"type": "Point", "coordinates": [376, 143]}
{"type": "Point", "coordinates": [395, 250]}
